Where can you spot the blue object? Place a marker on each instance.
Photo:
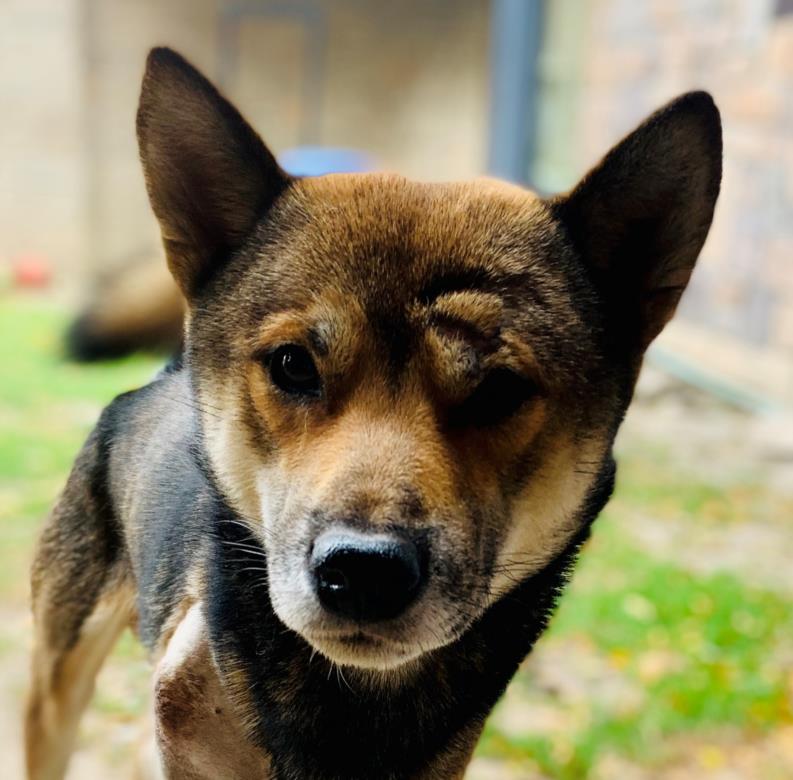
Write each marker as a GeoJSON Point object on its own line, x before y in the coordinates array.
{"type": "Point", "coordinates": [319, 160]}
{"type": "Point", "coordinates": [515, 40]}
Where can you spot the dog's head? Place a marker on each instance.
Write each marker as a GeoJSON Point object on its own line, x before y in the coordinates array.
{"type": "Point", "coordinates": [410, 391]}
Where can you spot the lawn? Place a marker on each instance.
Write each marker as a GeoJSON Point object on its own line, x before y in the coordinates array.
{"type": "Point", "coordinates": [648, 663]}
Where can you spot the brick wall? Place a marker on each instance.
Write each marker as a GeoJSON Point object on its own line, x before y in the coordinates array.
{"type": "Point", "coordinates": [628, 58]}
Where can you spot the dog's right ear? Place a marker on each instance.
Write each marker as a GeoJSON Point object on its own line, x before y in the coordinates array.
{"type": "Point", "coordinates": [209, 176]}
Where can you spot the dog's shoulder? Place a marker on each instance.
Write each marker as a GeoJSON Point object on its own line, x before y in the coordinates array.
{"type": "Point", "coordinates": [152, 471]}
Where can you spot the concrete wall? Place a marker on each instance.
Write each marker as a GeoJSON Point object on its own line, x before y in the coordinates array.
{"type": "Point", "coordinates": [42, 149]}
{"type": "Point", "coordinates": [405, 82]}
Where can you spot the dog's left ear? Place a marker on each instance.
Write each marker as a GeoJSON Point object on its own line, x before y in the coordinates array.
{"type": "Point", "coordinates": [209, 176]}
{"type": "Point", "coordinates": [640, 217]}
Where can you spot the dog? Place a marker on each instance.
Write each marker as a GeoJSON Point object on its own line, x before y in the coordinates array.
{"type": "Point", "coordinates": [343, 518]}
{"type": "Point", "coordinates": [137, 306]}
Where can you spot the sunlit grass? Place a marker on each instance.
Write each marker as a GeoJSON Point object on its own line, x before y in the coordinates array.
{"type": "Point", "coordinates": [705, 652]}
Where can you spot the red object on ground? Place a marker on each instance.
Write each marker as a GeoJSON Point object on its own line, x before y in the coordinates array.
{"type": "Point", "coordinates": [31, 271]}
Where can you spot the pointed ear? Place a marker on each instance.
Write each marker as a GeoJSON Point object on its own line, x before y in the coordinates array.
{"type": "Point", "coordinates": [640, 217]}
{"type": "Point", "coordinates": [209, 176]}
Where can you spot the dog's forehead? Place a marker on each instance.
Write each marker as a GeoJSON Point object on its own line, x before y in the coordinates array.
{"type": "Point", "coordinates": [385, 237]}
{"type": "Point", "coordinates": [354, 255]}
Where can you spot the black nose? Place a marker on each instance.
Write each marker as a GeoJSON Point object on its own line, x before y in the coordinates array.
{"type": "Point", "coordinates": [365, 577]}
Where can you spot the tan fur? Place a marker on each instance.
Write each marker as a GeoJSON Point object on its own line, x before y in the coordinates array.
{"type": "Point", "coordinates": [62, 684]}
{"type": "Point", "coordinates": [545, 512]}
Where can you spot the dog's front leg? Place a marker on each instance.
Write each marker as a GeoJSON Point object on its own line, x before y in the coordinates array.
{"type": "Point", "coordinates": [199, 734]}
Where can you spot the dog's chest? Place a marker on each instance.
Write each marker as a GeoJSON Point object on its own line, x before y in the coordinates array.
{"type": "Point", "coordinates": [199, 735]}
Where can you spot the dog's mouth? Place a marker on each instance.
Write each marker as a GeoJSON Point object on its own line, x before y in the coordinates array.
{"type": "Point", "coordinates": [358, 639]}
{"type": "Point", "coordinates": [429, 624]}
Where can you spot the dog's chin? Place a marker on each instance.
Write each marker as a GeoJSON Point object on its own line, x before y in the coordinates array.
{"type": "Point", "coordinates": [363, 651]}
{"type": "Point", "coordinates": [391, 646]}
{"type": "Point", "coordinates": [355, 646]}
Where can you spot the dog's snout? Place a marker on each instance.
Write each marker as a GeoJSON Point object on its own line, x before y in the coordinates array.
{"type": "Point", "coordinates": [366, 578]}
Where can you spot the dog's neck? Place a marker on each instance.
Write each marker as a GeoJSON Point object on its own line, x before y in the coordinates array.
{"type": "Point", "coordinates": [319, 721]}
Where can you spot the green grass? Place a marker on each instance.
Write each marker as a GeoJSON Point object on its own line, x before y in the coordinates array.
{"type": "Point", "coordinates": [724, 647]}
{"type": "Point", "coordinates": [47, 407]}
{"type": "Point", "coordinates": [649, 479]}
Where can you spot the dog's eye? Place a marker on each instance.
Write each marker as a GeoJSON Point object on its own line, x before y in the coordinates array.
{"type": "Point", "coordinates": [293, 371]}
{"type": "Point", "coordinates": [498, 396]}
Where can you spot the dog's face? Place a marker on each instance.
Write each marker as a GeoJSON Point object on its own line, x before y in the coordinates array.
{"type": "Point", "coordinates": [408, 403]}
{"type": "Point", "coordinates": [409, 391]}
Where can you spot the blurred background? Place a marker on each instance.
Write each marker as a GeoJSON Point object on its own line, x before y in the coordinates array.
{"type": "Point", "coordinates": [672, 654]}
